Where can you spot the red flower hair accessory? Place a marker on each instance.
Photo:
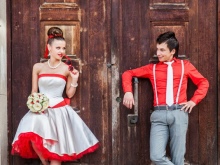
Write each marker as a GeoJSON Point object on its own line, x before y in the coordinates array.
{"type": "Point", "coordinates": [49, 37]}
{"type": "Point", "coordinates": [54, 36]}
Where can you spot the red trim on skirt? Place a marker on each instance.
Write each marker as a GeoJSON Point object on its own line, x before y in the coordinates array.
{"type": "Point", "coordinates": [23, 147]}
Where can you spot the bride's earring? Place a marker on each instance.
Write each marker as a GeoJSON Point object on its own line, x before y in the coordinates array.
{"type": "Point", "coordinates": [49, 54]}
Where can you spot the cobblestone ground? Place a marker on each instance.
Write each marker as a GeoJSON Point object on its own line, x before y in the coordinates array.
{"type": "Point", "coordinates": [37, 162]}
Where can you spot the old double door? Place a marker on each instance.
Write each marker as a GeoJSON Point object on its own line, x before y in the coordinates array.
{"type": "Point", "coordinates": [105, 38]}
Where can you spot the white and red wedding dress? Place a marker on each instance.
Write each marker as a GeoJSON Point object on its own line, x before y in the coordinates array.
{"type": "Point", "coordinates": [58, 133]}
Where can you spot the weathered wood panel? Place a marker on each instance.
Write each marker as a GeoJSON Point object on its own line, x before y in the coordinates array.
{"type": "Point", "coordinates": [93, 51]}
{"type": "Point", "coordinates": [218, 82]}
{"type": "Point", "coordinates": [116, 9]}
{"type": "Point", "coordinates": [186, 19]}
{"type": "Point", "coordinates": [192, 45]}
{"type": "Point", "coordinates": [207, 53]}
{"type": "Point", "coordinates": [24, 53]}
{"type": "Point", "coordinates": [135, 52]}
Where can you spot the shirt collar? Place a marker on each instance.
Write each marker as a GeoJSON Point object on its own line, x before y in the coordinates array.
{"type": "Point", "coordinates": [174, 59]}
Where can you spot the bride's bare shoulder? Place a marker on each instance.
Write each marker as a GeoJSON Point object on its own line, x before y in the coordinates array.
{"type": "Point", "coordinates": [39, 65]}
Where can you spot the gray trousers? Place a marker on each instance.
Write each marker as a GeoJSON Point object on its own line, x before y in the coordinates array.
{"type": "Point", "coordinates": [168, 125]}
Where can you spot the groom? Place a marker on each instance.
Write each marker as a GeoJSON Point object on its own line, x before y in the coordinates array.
{"type": "Point", "coordinates": [169, 120]}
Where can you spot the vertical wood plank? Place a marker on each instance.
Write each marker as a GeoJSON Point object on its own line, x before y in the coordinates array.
{"type": "Point", "coordinates": [115, 53]}
{"type": "Point", "coordinates": [192, 146]}
{"type": "Point", "coordinates": [95, 54]}
{"type": "Point", "coordinates": [25, 34]}
{"type": "Point", "coordinates": [218, 82]}
{"type": "Point", "coordinates": [145, 88]}
{"type": "Point", "coordinates": [207, 64]}
{"type": "Point", "coordinates": [9, 77]}
{"type": "Point", "coordinates": [134, 140]}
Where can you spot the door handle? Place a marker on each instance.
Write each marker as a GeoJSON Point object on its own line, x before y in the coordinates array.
{"type": "Point", "coordinates": [133, 118]}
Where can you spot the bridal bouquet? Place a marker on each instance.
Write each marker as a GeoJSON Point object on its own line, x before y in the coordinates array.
{"type": "Point", "coordinates": [37, 102]}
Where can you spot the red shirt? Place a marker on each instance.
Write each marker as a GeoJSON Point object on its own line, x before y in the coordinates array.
{"type": "Point", "coordinates": [161, 78]}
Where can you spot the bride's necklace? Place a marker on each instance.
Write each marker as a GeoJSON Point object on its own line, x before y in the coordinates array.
{"type": "Point", "coordinates": [53, 67]}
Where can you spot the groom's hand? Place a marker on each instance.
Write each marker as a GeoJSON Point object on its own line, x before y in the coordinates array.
{"type": "Point", "coordinates": [188, 106]}
{"type": "Point", "coordinates": [128, 100]}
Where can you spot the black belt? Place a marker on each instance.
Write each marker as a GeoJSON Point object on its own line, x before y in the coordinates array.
{"type": "Point", "coordinates": [166, 107]}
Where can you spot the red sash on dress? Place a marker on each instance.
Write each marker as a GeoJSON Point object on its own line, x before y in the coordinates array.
{"type": "Point", "coordinates": [66, 101]}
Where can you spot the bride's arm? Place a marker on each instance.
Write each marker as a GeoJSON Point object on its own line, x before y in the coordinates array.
{"type": "Point", "coordinates": [72, 83]}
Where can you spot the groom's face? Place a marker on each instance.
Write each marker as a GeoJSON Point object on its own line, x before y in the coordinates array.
{"type": "Point", "coordinates": [163, 53]}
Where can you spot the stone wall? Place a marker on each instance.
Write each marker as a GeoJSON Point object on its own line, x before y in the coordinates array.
{"type": "Point", "coordinates": [3, 85]}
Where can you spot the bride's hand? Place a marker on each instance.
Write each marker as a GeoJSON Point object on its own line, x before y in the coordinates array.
{"type": "Point", "coordinates": [74, 74]}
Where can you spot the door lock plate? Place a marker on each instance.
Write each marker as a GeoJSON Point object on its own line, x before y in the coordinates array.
{"type": "Point", "coordinates": [132, 119]}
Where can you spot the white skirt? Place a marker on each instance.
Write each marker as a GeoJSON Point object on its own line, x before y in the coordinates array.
{"type": "Point", "coordinates": [58, 133]}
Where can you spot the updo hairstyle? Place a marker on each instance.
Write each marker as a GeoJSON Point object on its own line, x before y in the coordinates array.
{"type": "Point", "coordinates": [54, 33]}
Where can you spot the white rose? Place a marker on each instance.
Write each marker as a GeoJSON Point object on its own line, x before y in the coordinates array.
{"type": "Point", "coordinates": [30, 106]}
{"type": "Point", "coordinates": [32, 109]}
{"type": "Point", "coordinates": [41, 96]}
{"type": "Point", "coordinates": [30, 97]}
{"type": "Point", "coordinates": [37, 106]}
{"type": "Point", "coordinates": [29, 101]}
{"type": "Point", "coordinates": [37, 100]}
{"type": "Point", "coordinates": [45, 99]}
{"type": "Point", "coordinates": [45, 105]}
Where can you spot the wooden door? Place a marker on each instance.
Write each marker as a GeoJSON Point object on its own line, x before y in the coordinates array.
{"type": "Point", "coordinates": [111, 37]}
{"type": "Point", "coordinates": [138, 25]}
{"type": "Point", "coordinates": [85, 28]}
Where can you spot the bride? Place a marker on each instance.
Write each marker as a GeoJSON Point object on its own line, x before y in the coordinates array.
{"type": "Point", "coordinates": [58, 134]}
